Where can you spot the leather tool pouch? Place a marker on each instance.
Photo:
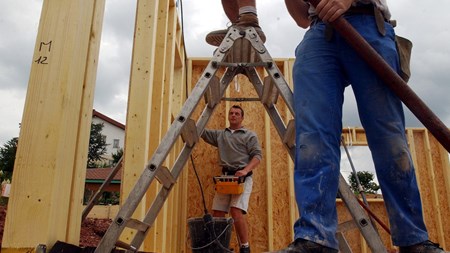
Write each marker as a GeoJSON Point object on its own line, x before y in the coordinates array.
{"type": "Point", "coordinates": [404, 47]}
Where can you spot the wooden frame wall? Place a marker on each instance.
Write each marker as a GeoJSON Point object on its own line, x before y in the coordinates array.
{"type": "Point", "coordinates": [272, 207]}
{"type": "Point", "coordinates": [156, 94]}
{"type": "Point", "coordinates": [50, 164]}
{"type": "Point", "coordinates": [157, 91]}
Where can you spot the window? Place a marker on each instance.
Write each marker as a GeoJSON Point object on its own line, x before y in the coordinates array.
{"type": "Point", "coordinates": [116, 143]}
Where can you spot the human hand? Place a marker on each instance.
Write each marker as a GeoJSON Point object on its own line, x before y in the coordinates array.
{"type": "Point", "coordinates": [330, 10]}
{"type": "Point", "coordinates": [241, 173]}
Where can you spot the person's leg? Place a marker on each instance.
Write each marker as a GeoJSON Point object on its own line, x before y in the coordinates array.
{"type": "Point", "coordinates": [238, 209]}
{"type": "Point", "coordinates": [318, 97]}
{"type": "Point", "coordinates": [218, 213]}
{"type": "Point", "coordinates": [240, 224]}
{"type": "Point", "coordinates": [241, 13]}
{"type": "Point", "coordinates": [231, 8]}
{"type": "Point", "coordinates": [382, 117]}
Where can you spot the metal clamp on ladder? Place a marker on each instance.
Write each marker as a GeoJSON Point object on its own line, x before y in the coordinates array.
{"type": "Point", "coordinates": [239, 53]}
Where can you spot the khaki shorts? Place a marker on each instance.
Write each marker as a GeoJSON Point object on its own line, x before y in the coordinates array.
{"type": "Point", "coordinates": [223, 202]}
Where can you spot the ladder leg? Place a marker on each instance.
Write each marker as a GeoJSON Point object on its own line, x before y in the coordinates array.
{"type": "Point", "coordinates": [359, 216]}
{"type": "Point", "coordinates": [154, 166]}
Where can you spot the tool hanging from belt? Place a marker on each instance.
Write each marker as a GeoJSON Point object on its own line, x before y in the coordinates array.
{"type": "Point", "coordinates": [229, 184]}
{"type": "Point", "coordinates": [404, 46]}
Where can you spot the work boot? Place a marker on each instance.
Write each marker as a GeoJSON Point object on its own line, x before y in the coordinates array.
{"type": "Point", "coordinates": [244, 250]}
{"type": "Point", "coordinates": [214, 38]}
{"type": "Point", "coordinates": [305, 246]}
{"type": "Point", "coordinates": [423, 247]}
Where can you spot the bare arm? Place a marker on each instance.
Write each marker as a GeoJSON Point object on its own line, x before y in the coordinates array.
{"type": "Point", "coordinates": [250, 166]}
{"type": "Point", "coordinates": [298, 10]}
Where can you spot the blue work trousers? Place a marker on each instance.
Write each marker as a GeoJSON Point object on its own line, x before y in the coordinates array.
{"type": "Point", "coordinates": [322, 70]}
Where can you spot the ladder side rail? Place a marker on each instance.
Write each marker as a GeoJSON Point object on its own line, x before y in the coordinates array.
{"type": "Point", "coordinates": [160, 199]}
{"type": "Point", "coordinates": [144, 181]}
{"type": "Point", "coordinates": [181, 160]}
{"type": "Point", "coordinates": [367, 230]}
{"type": "Point", "coordinates": [271, 110]}
{"type": "Point", "coordinates": [176, 171]}
{"type": "Point", "coordinates": [362, 221]}
{"type": "Point", "coordinates": [207, 112]}
{"type": "Point", "coordinates": [271, 68]}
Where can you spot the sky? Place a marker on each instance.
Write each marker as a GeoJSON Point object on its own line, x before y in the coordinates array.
{"type": "Point", "coordinates": [425, 24]}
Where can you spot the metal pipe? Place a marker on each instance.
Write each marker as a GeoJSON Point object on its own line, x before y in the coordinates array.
{"type": "Point", "coordinates": [392, 80]}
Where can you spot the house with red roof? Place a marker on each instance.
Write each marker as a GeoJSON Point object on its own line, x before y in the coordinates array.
{"type": "Point", "coordinates": [113, 132]}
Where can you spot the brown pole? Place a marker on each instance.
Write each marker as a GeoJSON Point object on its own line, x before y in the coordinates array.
{"type": "Point", "coordinates": [392, 80]}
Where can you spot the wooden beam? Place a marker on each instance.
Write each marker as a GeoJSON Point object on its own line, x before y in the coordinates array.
{"type": "Point", "coordinates": [269, 172]}
{"type": "Point", "coordinates": [136, 150]}
{"type": "Point", "coordinates": [51, 158]}
{"type": "Point", "coordinates": [434, 193]}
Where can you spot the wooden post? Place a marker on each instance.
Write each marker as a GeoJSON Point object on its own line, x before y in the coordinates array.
{"type": "Point", "coordinates": [48, 180]}
{"type": "Point", "coordinates": [139, 112]}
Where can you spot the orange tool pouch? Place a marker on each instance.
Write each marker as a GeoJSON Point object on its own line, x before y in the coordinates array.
{"type": "Point", "coordinates": [229, 184]}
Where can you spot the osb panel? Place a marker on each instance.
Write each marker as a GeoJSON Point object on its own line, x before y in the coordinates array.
{"type": "Point", "coordinates": [206, 161]}
{"type": "Point", "coordinates": [282, 227]}
{"type": "Point", "coordinates": [429, 162]}
{"type": "Point", "coordinates": [354, 237]}
{"type": "Point", "coordinates": [425, 182]}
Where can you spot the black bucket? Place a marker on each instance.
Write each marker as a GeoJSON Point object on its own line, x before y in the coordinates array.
{"type": "Point", "coordinates": [202, 241]}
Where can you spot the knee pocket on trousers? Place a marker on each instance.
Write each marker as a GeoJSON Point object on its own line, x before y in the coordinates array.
{"type": "Point", "coordinates": [309, 151]}
{"type": "Point", "coordinates": [393, 155]}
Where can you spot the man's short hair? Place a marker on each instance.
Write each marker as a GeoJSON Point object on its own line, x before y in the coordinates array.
{"type": "Point", "coordinates": [240, 108]}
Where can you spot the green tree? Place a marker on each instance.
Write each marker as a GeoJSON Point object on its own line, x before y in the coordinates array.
{"type": "Point", "coordinates": [97, 145]}
{"type": "Point", "coordinates": [366, 180]}
{"type": "Point", "coordinates": [116, 156]}
{"type": "Point", "coordinates": [7, 158]}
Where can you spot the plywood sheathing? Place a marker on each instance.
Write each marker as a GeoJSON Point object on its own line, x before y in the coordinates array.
{"type": "Point", "coordinates": [271, 216]}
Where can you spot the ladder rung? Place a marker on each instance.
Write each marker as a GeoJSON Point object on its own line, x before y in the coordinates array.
{"type": "Point", "coordinates": [289, 136]}
{"type": "Point", "coordinates": [125, 245]}
{"type": "Point", "coordinates": [189, 133]}
{"type": "Point", "coordinates": [346, 226]}
{"type": "Point", "coordinates": [270, 92]}
{"type": "Point", "coordinates": [343, 244]}
{"type": "Point", "coordinates": [137, 225]}
{"type": "Point", "coordinates": [212, 94]}
{"type": "Point", "coordinates": [165, 177]}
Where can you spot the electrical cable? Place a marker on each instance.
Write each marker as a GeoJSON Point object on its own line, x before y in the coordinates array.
{"type": "Point", "coordinates": [208, 219]}
{"type": "Point", "coordinates": [200, 184]}
{"type": "Point", "coordinates": [209, 223]}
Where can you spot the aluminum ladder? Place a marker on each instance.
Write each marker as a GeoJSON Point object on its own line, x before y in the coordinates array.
{"type": "Point", "coordinates": [240, 52]}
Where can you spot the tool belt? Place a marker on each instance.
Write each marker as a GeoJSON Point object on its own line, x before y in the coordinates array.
{"type": "Point", "coordinates": [229, 184]}
{"type": "Point", "coordinates": [404, 46]}
{"type": "Point", "coordinates": [232, 171]}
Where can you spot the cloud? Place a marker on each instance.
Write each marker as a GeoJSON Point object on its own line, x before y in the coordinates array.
{"type": "Point", "coordinates": [421, 22]}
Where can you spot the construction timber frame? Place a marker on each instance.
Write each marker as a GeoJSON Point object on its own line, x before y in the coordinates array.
{"type": "Point", "coordinates": [48, 178]}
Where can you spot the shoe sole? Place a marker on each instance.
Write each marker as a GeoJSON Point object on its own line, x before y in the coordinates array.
{"type": "Point", "coordinates": [216, 37]}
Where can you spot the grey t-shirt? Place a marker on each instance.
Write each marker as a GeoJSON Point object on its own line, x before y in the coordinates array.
{"type": "Point", "coordinates": [236, 148]}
